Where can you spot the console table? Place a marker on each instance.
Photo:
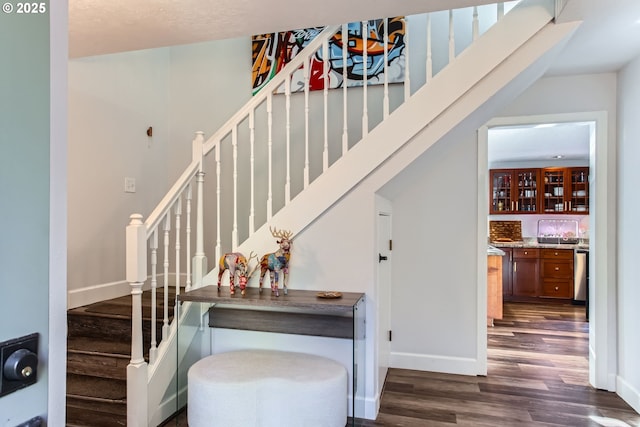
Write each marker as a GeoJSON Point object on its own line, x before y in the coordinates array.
{"type": "Point", "coordinates": [300, 312]}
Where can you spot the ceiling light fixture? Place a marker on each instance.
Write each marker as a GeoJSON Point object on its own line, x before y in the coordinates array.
{"type": "Point", "coordinates": [559, 156]}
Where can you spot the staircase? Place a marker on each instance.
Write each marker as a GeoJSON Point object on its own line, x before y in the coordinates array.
{"type": "Point", "coordinates": [245, 175]}
{"type": "Point", "coordinates": [98, 352]}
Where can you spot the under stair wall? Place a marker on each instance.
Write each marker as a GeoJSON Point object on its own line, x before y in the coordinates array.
{"type": "Point", "coordinates": [435, 110]}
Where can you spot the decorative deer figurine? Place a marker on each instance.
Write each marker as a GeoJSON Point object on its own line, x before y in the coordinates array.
{"type": "Point", "coordinates": [238, 267]}
{"type": "Point", "coordinates": [277, 261]}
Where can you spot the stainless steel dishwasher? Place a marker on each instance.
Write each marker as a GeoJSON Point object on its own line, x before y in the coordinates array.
{"type": "Point", "coordinates": [581, 278]}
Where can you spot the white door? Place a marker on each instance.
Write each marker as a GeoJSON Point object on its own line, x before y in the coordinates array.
{"type": "Point", "coordinates": [383, 307]}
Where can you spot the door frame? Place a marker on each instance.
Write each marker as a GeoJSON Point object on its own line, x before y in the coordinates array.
{"type": "Point", "coordinates": [602, 240]}
{"type": "Point", "coordinates": [383, 208]}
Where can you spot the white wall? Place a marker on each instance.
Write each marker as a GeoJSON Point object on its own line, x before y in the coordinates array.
{"type": "Point", "coordinates": [32, 199]}
{"type": "Point", "coordinates": [628, 234]}
{"type": "Point", "coordinates": [113, 99]}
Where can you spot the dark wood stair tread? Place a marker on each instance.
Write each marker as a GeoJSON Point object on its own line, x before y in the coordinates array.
{"type": "Point", "coordinates": [98, 352]}
{"type": "Point", "coordinates": [96, 388]}
{"type": "Point", "coordinates": [97, 346]}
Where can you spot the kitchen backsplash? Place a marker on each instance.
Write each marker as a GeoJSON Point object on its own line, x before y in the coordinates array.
{"type": "Point", "coordinates": [529, 223]}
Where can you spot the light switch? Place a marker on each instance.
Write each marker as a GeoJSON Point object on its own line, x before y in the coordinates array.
{"type": "Point", "coordinates": [129, 185]}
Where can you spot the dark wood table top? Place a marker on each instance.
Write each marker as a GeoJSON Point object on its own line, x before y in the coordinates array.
{"type": "Point", "coordinates": [296, 298]}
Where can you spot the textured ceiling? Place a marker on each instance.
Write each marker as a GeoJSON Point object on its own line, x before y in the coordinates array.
{"type": "Point", "coordinates": [608, 38]}
{"type": "Point", "coordinates": [99, 27]}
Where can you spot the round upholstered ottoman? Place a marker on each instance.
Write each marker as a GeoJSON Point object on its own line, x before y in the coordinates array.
{"type": "Point", "coordinates": [267, 389]}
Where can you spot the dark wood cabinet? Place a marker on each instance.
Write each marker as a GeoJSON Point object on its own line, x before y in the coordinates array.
{"type": "Point", "coordinates": [566, 190]}
{"type": "Point", "coordinates": [514, 191]}
{"type": "Point", "coordinates": [531, 273]}
{"type": "Point", "coordinates": [507, 272]}
{"type": "Point", "coordinates": [545, 190]}
{"type": "Point", "coordinates": [526, 272]}
{"type": "Point", "coordinates": [557, 273]}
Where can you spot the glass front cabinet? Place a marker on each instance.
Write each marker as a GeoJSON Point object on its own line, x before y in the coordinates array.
{"type": "Point", "coordinates": [514, 191]}
{"type": "Point", "coordinates": [566, 190]}
{"type": "Point", "coordinates": [539, 191]}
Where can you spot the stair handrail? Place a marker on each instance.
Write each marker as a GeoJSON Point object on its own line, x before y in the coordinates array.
{"type": "Point", "coordinates": [143, 236]}
{"type": "Point", "coordinates": [274, 83]}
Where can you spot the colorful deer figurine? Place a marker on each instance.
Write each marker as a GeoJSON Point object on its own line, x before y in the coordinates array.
{"type": "Point", "coordinates": [277, 261]}
{"type": "Point", "coordinates": [238, 267]}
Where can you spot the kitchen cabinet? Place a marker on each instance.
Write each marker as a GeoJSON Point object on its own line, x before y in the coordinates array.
{"type": "Point", "coordinates": [507, 268]}
{"type": "Point", "coordinates": [545, 190]}
{"type": "Point", "coordinates": [557, 273]}
{"type": "Point", "coordinates": [514, 191]}
{"type": "Point", "coordinates": [565, 190]}
{"type": "Point", "coordinates": [531, 273]}
{"type": "Point", "coordinates": [525, 272]}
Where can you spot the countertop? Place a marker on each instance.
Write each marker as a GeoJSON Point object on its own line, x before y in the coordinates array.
{"type": "Point", "coordinates": [533, 243]}
{"type": "Point", "coordinates": [492, 250]}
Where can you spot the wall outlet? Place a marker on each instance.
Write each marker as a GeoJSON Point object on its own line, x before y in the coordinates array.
{"type": "Point", "coordinates": [129, 185]}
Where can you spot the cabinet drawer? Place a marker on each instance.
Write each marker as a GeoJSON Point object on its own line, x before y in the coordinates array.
{"type": "Point", "coordinates": [557, 253]}
{"type": "Point", "coordinates": [557, 269]}
{"type": "Point", "coordinates": [557, 289]}
{"type": "Point", "coordinates": [526, 253]}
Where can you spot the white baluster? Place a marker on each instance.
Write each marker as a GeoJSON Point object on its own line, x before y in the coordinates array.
{"type": "Point", "coordinates": [345, 126]}
{"type": "Point", "coordinates": [189, 198]}
{"type": "Point", "coordinates": [429, 50]}
{"type": "Point", "coordinates": [407, 68]}
{"type": "Point", "coordinates": [200, 259]}
{"type": "Point", "coordinates": [452, 40]}
{"type": "Point", "coordinates": [385, 101]}
{"type": "Point", "coordinates": [270, 148]}
{"type": "Point", "coordinates": [475, 27]}
{"type": "Point", "coordinates": [178, 213]}
{"type": "Point", "coordinates": [218, 204]}
{"type": "Point", "coordinates": [234, 144]}
{"type": "Point", "coordinates": [153, 244]}
{"type": "Point", "coordinates": [252, 141]}
{"type": "Point", "coordinates": [306, 122]}
{"type": "Point", "coordinates": [287, 184]}
{"type": "Point", "coordinates": [365, 107]}
{"type": "Point", "coordinates": [500, 11]}
{"type": "Point", "coordinates": [325, 79]}
{"type": "Point", "coordinates": [165, 319]}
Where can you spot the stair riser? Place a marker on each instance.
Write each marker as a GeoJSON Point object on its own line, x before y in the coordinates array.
{"type": "Point", "coordinates": [96, 414]}
{"type": "Point", "coordinates": [111, 329]}
{"type": "Point", "coordinates": [97, 366]}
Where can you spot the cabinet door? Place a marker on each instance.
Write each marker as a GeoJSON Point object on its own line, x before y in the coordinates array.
{"type": "Point", "coordinates": [553, 200]}
{"type": "Point", "coordinates": [501, 191]}
{"type": "Point", "coordinates": [578, 191]}
{"type": "Point", "coordinates": [525, 277]}
{"type": "Point", "coordinates": [526, 197]}
{"type": "Point", "coordinates": [507, 271]}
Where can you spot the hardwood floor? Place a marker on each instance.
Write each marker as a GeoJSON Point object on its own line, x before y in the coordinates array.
{"type": "Point", "coordinates": [537, 376]}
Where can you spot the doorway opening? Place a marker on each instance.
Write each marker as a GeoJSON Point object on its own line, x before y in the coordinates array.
{"type": "Point", "coordinates": [601, 293]}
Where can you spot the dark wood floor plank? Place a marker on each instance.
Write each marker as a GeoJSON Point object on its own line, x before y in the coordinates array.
{"type": "Point", "coordinates": [538, 375]}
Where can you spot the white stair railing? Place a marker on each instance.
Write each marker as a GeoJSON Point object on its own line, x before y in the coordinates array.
{"type": "Point", "coordinates": [251, 184]}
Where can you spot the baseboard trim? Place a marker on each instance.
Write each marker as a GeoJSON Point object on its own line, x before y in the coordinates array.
{"type": "Point", "coordinates": [96, 293]}
{"type": "Point", "coordinates": [431, 363]}
{"type": "Point", "coordinates": [628, 393]}
{"type": "Point", "coordinates": [104, 291]}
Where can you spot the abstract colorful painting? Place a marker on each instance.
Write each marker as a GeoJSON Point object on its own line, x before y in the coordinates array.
{"type": "Point", "coordinates": [271, 52]}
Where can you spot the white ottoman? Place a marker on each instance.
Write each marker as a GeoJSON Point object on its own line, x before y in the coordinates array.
{"type": "Point", "coordinates": [267, 389]}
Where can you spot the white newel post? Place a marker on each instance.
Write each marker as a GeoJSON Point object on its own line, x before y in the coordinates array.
{"type": "Point", "coordinates": [199, 267]}
{"type": "Point", "coordinates": [136, 265]}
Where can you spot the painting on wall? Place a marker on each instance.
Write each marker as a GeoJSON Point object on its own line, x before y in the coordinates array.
{"type": "Point", "coordinates": [271, 52]}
